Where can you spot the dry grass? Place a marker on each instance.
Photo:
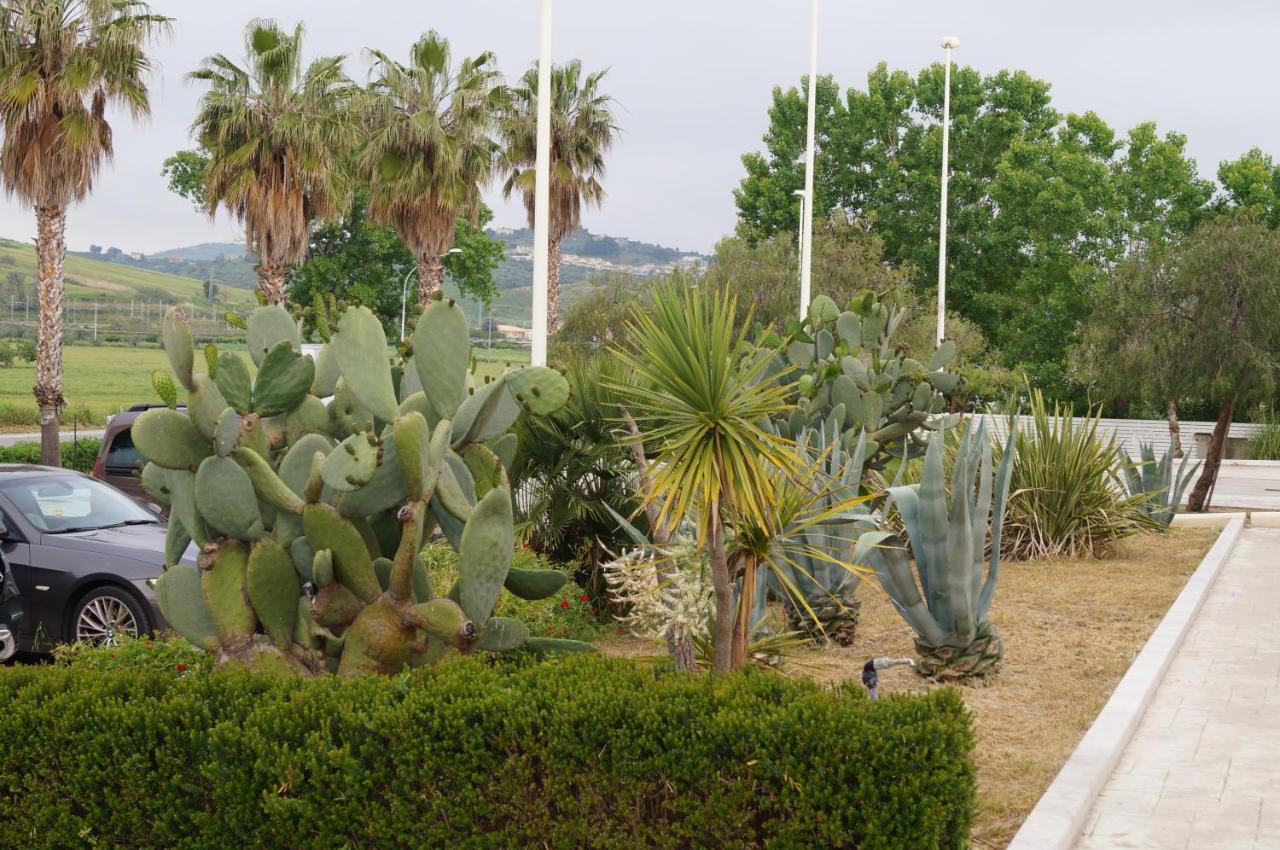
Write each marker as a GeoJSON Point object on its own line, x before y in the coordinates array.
{"type": "Point", "coordinates": [1071, 628]}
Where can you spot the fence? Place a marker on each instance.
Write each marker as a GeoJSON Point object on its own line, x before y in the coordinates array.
{"type": "Point", "coordinates": [114, 321]}
{"type": "Point", "coordinates": [1132, 432]}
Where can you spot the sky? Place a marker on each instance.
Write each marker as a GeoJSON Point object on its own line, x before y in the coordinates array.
{"type": "Point", "coordinates": [692, 80]}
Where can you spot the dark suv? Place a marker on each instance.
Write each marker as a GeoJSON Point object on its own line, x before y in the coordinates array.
{"type": "Point", "coordinates": [118, 461]}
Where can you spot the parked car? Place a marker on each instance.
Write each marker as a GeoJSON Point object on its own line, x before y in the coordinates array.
{"type": "Point", "coordinates": [80, 553]}
{"type": "Point", "coordinates": [118, 462]}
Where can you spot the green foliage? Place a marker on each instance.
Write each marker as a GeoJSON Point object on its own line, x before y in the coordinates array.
{"type": "Point", "coordinates": [586, 753]}
{"type": "Point", "coordinates": [166, 654]}
{"type": "Point", "coordinates": [78, 455]}
{"type": "Point", "coordinates": [950, 534]}
{"type": "Point", "coordinates": [253, 476]}
{"type": "Point", "coordinates": [568, 613]}
{"type": "Point", "coordinates": [1041, 203]}
{"type": "Point", "coordinates": [573, 471]}
{"type": "Point", "coordinates": [1266, 445]}
{"type": "Point", "coordinates": [1158, 483]}
{"type": "Point", "coordinates": [185, 171]}
{"type": "Point", "coordinates": [1069, 495]}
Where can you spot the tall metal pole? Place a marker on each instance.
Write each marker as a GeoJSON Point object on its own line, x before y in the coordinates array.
{"type": "Point", "coordinates": [948, 43]}
{"type": "Point", "coordinates": [542, 194]}
{"type": "Point", "coordinates": [806, 235]}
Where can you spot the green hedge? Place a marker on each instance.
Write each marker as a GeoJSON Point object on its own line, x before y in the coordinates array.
{"type": "Point", "coordinates": [589, 752]}
{"type": "Point", "coordinates": [79, 455]}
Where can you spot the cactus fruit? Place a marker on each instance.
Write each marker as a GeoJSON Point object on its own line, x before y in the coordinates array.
{"type": "Point", "coordinates": [311, 518]}
{"type": "Point", "coordinates": [166, 389]}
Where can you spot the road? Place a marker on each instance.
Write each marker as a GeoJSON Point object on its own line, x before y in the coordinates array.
{"type": "Point", "coordinates": [34, 437]}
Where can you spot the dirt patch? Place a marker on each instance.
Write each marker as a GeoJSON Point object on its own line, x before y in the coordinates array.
{"type": "Point", "coordinates": [1071, 629]}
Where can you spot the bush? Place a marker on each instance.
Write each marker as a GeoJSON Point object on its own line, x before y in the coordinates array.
{"type": "Point", "coordinates": [585, 753]}
{"type": "Point", "coordinates": [79, 455]}
{"type": "Point", "coordinates": [1266, 445]}
{"type": "Point", "coordinates": [169, 654]}
{"type": "Point", "coordinates": [570, 613]}
{"type": "Point", "coordinates": [1067, 493]}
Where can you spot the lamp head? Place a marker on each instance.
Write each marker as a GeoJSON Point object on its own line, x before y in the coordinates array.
{"type": "Point", "coordinates": [950, 41]}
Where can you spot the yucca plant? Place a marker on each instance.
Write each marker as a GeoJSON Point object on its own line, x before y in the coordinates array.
{"type": "Point", "coordinates": [1266, 444]}
{"type": "Point", "coordinates": [699, 401]}
{"type": "Point", "coordinates": [1069, 497]}
{"type": "Point", "coordinates": [946, 599]}
{"type": "Point", "coordinates": [1156, 481]}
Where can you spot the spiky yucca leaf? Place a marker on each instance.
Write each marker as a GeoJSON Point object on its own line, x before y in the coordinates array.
{"type": "Point", "coordinates": [1156, 482]}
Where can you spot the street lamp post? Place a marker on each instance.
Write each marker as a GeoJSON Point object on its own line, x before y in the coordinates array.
{"type": "Point", "coordinates": [948, 43]}
{"type": "Point", "coordinates": [404, 288]}
{"type": "Point", "coordinates": [806, 224]}
{"type": "Point", "coordinates": [542, 193]}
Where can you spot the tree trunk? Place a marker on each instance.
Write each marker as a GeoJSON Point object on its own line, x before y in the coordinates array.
{"type": "Point", "coordinates": [722, 590]}
{"type": "Point", "coordinates": [273, 280]}
{"type": "Point", "coordinates": [679, 641]}
{"type": "Point", "coordinates": [1199, 498]}
{"type": "Point", "coordinates": [430, 274]}
{"type": "Point", "coordinates": [746, 602]}
{"type": "Point", "coordinates": [1175, 432]}
{"type": "Point", "coordinates": [553, 286]}
{"type": "Point", "coordinates": [51, 249]}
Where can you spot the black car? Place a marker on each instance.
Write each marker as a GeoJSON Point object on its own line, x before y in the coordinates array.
{"type": "Point", "coordinates": [79, 553]}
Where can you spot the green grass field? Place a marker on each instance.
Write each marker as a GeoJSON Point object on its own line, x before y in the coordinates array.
{"type": "Point", "coordinates": [94, 280]}
{"type": "Point", "coordinates": [100, 380]}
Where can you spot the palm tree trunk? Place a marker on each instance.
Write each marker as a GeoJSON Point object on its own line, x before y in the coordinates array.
{"type": "Point", "coordinates": [746, 601]}
{"type": "Point", "coordinates": [273, 280]}
{"type": "Point", "coordinates": [1199, 498]}
{"type": "Point", "coordinates": [1175, 432]}
{"type": "Point", "coordinates": [553, 286]}
{"type": "Point", "coordinates": [430, 274]}
{"type": "Point", "coordinates": [51, 249]}
{"type": "Point", "coordinates": [722, 590]}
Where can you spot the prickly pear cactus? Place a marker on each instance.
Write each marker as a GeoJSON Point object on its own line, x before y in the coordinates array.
{"type": "Point", "coordinates": [851, 379]}
{"type": "Point", "coordinates": [310, 515]}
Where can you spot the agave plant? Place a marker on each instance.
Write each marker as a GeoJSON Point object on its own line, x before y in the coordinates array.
{"type": "Point", "coordinates": [947, 597]}
{"type": "Point", "coordinates": [1157, 483]}
{"type": "Point", "coordinates": [810, 556]}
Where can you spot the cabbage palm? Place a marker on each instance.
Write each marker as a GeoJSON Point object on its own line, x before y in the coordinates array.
{"type": "Point", "coordinates": [430, 147]}
{"type": "Point", "coordinates": [62, 63]}
{"type": "Point", "coordinates": [278, 134]}
{"type": "Point", "coordinates": [582, 131]}
{"type": "Point", "coordinates": [701, 408]}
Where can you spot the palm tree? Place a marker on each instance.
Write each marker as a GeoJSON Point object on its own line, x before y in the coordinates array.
{"type": "Point", "coordinates": [62, 63]}
{"type": "Point", "coordinates": [582, 131]}
{"type": "Point", "coordinates": [698, 397]}
{"type": "Point", "coordinates": [278, 135]}
{"type": "Point", "coordinates": [429, 148]}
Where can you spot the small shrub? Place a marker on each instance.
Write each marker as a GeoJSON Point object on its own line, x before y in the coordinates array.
{"type": "Point", "coordinates": [1068, 496]}
{"type": "Point", "coordinates": [166, 654]}
{"type": "Point", "coordinates": [25, 349]}
{"type": "Point", "coordinates": [78, 455]}
{"type": "Point", "coordinates": [588, 752]}
{"type": "Point", "coordinates": [1266, 445]}
{"type": "Point", "coordinates": [7, 356]}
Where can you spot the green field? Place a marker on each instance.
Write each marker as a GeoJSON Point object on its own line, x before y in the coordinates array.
{"type": "Point", "coordinates": [101, 380]}
{"type": "Point", "coordinates": [95, 280]}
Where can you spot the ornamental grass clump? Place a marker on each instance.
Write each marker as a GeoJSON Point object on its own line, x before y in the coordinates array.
{"type": "Point", "coordinates": [1069, 497]}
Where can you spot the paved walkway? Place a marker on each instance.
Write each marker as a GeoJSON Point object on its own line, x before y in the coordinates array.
{"type": "Point", "coordinates": [1203, 767]}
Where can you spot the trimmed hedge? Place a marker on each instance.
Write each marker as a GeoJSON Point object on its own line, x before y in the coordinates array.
{"type": "Point", "coordinates": [78, 455]}
{"type": "Point", "coordinates": [588, 752]}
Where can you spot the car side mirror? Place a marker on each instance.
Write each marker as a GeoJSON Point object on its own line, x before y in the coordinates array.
{"type": "Point", "coordinates": [155, 509]}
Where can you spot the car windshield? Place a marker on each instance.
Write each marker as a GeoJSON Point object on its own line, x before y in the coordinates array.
{"type": "Point", "coordinates": [60, 504]}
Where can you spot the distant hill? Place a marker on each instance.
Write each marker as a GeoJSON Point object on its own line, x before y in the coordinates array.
{"type": "Point", "coordinates": [204, 251]}
{"type": "Point", "coordinates": [99, 279]}
{"type": "Point", "coordinates": [225, 263]}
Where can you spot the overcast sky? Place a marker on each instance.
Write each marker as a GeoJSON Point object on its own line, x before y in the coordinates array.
{"type": "Point", "coordinates": [692, 79]}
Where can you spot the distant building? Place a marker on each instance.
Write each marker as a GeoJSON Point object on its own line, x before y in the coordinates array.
{"type": "Point", "coordinates": [515, 332]}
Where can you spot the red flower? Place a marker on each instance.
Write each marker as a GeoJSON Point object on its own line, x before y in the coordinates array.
{"type": "Point", "coordinates": [564, 604]}
{"type": "Point", "coordinates": [584, 598]}
{"type": "Point", "coordinates": [181, 667]}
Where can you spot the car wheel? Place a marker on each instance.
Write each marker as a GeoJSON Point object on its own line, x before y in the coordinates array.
{"type": "Point", "coordinates": [105, 613]}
